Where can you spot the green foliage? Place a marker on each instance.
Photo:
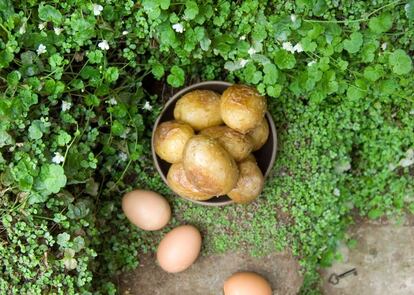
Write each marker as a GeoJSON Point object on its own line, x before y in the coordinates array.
{"type": "Point", "coordinates": [79, 97]}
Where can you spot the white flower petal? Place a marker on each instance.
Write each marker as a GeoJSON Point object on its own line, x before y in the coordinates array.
{"type": "Point", "coordinates": [58, 31]}
{"type": "Point", "coordinates": [298, 48]}
{"type": "Point", "coordinates": [243, 62]}
{"type": "Point", "coordinates": [293, 18]}
{"type": "Point", "coordinates": [178, 27]}
{"type": "Point", "coordinates": [103, 45]}
{"type": "Point", "coordinates": [123, 156]}
{"type": "Point", "coordinates": [58, 158]}
{"type": "Point", "coordinates": [147, 106]}
{"type": "Point", "coordinates": [41, 49]}
{"type": "Point", "coordinates": [251, 51]}
{"type": "Point", "coordinates": [66, 105]}
{"type": "Point", "coordinates": [125, 33]}
{"type": "Point", "coordinates": [97, 9]}
{"type": "Point", "coordinates": [41, 26]}
{"type": "Point", "coordinates": [288, 47]}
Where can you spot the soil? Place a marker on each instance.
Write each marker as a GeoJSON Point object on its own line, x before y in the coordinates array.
{"type": "Point", "coordinates": [207, 275]}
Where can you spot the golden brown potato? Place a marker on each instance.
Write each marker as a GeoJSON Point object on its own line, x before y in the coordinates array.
{"type": "Point", "coordinates": [170, 138]}
{"type": "Point", "coordinates": [250, 183]}
{"type": "Point", "coordinates": [179, 183]}
{"type": "Point", "coordinates": [259, 134]}
{"type": "Point", "coordinates": [209, 166]}
{"type": "Point", "coordinates": [238, 145]}
{"type": "Point", "coordinates": [242, 108]}
{"type": "Point", "coordinates": [199, 108]}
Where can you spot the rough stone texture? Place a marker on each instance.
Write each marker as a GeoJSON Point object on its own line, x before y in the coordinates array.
{"type": "Point", "coordinates": [207, 275]}
{"type": "Point", "coordinates": [384, 259]}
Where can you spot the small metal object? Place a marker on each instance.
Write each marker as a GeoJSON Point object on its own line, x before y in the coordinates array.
{"type": "Point", "coordinates": [334, 278]}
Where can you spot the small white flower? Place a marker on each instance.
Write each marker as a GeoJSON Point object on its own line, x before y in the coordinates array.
{"type": "Point", "coordinates": [298, 47]}
{"type": "Point", "coordinates": [58, 158]}
{"type": "Point", "coordinates": [179, 28]}
{"type": "Point", "coordinates": [66, 105]}
{"type": "Point", "coordinates": [337, 192]}
{"type": "Point", "coordinates": [412, 112]}
{"type": "Point", "coordinates": [112, 101]}
{"type": "Point", "coordinates": [41, 49]}
{"type": "Point", "coordinates": [123, 156]}
{"type": "Point", "coordinates": [408, 160]}
{"type": "Point", "coordinates": [97, 9]}
{"type": "Point", "coordinates": [293, 18]}
{"type": "Point", "coordinates": [311, 63]}
{"type": "Point", "coordinates": [251, 51]}
{"type": "Point", "coordinates": [384, 46]}
{"type": "Point", "coordinates": [58, 31]}
{"type": "Point", "coordinates": [288, 47]}
{"type": "Point", "coordinates": [22, 29]}
{"type": "Point", "coordinates": [41, 26]}
{"type": "Point", "coordinates": [147, 106]}
{"type": "Point", "coordinates": [103, 45]}
{"type": "Point", "coordinates": [243, 62]}
{"type": "Point", "coordinates": [125, 33]}
{"type": "Point", "coordinates": [242, 37]}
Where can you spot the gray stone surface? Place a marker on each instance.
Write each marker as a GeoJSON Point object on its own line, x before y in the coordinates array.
{"type": "Point", "coordinates": [207, 275]}
{"type": "Point", "coordinates": [384, 259]}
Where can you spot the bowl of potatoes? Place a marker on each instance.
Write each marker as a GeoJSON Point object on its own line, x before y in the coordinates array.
{"type": "Point", "coordinates": [214, 143]}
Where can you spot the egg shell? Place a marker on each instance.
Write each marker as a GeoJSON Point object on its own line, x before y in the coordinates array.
{"type": "Point", "coordinates": [146, 209]}
{"type": "Point", "coordinates": [247, 283]}
{"type": "Point", "coordinates": [179, 249]}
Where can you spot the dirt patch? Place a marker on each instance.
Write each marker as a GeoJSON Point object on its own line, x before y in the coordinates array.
{"type": "Point", "coordinates": [383, 258]}
{"type": "Point", "coordinates": [207, 275]}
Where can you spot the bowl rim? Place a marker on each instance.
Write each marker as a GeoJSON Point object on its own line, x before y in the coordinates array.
{"type": "Point", "coordinates": [172, 100]}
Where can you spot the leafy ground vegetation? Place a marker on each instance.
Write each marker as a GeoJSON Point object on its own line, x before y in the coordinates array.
{"type": "Point", "coordinates": [82, 83]}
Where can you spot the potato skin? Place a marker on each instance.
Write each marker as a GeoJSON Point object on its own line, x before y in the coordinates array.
{"type": "Point", "coordinates": [259, 135]}
{"type": "Point", "coordinates": [199, 108]}
{"type": "Point", "coordinates": [209, 166]}
{"type": "Point", "coordinates": [179, 183]}
{"type": "Point", "coordinates": [242, 108]}
{"type": "Point", "coordinates": [238, 145]}
{"type": "Point", "coordinates": [250, 183]}
{"type": "Point", "coordinates": [170, 138]}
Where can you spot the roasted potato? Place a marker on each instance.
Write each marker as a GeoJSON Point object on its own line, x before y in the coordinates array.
{"type": "Point", "coordinates": [238, 145]}
{"type": "Point", "coordinates": [179, 183]}
{"type": "Point", "coordinates": [259, 134]}
{"type": "Point", "coordinates": [250, 183]}
{"type": "Point", "coordinates": [242, 108]}
{"type": "Point", "coordinates": [209, 166]}
{"type": "Point", "coordinates": [170, 138]}
{"type": "Point", "coordinates": [199, 108]}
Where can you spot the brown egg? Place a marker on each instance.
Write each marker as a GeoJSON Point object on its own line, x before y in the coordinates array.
{"type": "Point", "coordinates": [247, 283]}
{"type": "Point", "coordinates": [146, 209]}
{"type": "Point", "coordinates": [179, 248]}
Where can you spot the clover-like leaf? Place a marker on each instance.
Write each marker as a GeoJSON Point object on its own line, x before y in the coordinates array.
{"type": "Point", "coordinates": [400, 62]}
{"type": "Point", "coordinates": [49, 13]}
{"type": "Point", "coordinates": [51, 179]}
{"type": "Point", "coordinates": [354, 43]}
{"type": "Point", "coordinates": [176, 77]}
{"type": "Point", "coordinates": [380, 24]}
{"type": "Point", "coordinates": [409, 9]}
{"type": "Point", "coordinates": [191, 9]}
{"type": "Point", "coordinates": [284, 59]}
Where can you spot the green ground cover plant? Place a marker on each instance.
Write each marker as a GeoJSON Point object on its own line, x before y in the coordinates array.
{"type": "Point", "coordinates": [82, 82]}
